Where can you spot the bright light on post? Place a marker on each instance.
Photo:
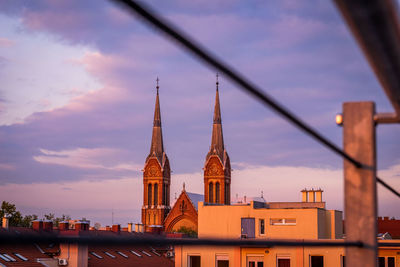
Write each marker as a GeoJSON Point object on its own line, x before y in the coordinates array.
{"type": "Point", "coordinates": [339, 119]}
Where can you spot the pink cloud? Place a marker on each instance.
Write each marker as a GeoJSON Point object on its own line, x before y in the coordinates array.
{"type": "Point", "coordinates": [4, 42]}
{"type": "Point", "coordinates": [94, 158]}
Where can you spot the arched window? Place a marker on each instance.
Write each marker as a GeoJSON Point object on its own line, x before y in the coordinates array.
{"type": "Point", "coordinates": [226, 194]}
{"type": "Point", "coordinates": [155, 194]}
{"type": "Point", "coordinates": [149, 195]}
{"type": "Point", "coordinates": [217, 193]}
{"type": "Point", "coordinates": [210, 193]}
{"type": "Point", "coordinates": [164, 194]}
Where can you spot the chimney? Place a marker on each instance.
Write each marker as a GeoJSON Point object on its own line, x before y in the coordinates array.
{"type": "Point", "coordinates": [318, 195]}
{"type": "Point", "coordinates": [47, 225]}
{"type": "Point", "coordinates": [311, 195]}
{"type": "Point", "coordinates": [130, 227]}
{"type": "Point", "coordinates": [5, 222]}
{"type": "Point", "coordinates": [37, 225]}
{"type": "Point", "coordinates": [63, 226]}
{"type": "Point", "coordinates": [116, 228]}
{"type": "Point", "coordinates": [82, 226]}
{"type": "Point", "coordinates": [304, 195]}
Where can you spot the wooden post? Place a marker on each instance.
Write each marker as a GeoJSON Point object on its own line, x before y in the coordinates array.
{"type": "Point", "coordinates": [360, 183]}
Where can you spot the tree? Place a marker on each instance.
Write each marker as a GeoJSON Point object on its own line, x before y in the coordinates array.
{"type": "Point", "coordinates": [14, 216]}
{"type": "Point", "coordinates": [186, 230]}
{"type": "Point", "coordinates": [9, 210]}
{"type": "Point", "coordinates": [56, 220]}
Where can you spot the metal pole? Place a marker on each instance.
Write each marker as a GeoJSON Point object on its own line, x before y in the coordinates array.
{"type": "Point", "coordinates": [360, 184]}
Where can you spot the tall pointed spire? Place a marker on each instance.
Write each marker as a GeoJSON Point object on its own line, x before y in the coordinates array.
{"type": "Point", "coordinates": [157, 146]}
{"type": "Point", "coordinates": [217, 139]}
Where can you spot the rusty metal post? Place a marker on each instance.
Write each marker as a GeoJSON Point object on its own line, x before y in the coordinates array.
{"type": "Point", "coordinates": [360, 183]}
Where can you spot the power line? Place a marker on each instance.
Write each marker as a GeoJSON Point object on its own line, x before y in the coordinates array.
{"type": "Point", "coordinates": [202, 53]}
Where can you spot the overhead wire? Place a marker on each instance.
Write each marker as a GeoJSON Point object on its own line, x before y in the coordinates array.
{"type": "Point", "coordinates": [202, 53]}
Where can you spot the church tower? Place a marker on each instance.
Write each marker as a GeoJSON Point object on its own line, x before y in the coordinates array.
{"type": "Point", "coordinates": [156, 177]}
{"type": "Point", "coordinates": [217, 168]}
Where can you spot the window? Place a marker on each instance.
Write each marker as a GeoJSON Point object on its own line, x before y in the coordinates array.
{"type": "Point", "coordinates": [262, 226]}
{"type": "Point", "coordinates": [210, 193]}
{"type": "Point", "coordinates": [217, 192]}
{"type": "Point", "coordinates": [164, 194]}
{"type": "Point", "coordinates": [390, 261]}
{"type": "Point", "coordinates": [255, 261]}
{"type": "Point", "coordinates": [222, 261]}
{"type": "Point", "coordinates": [149, 195]}
{"type": "Point", "coordinates": [194, 261]}
{"type": "Point", "coordinates": [96, 255]}
{"type": "Point", "coordinates": [136, 254]}
{"type": "Point", "coordinates": [9, 257]}
{"type": "Point", "coordinates": [386, 262]}
{"type": "Point", "coordinates": [20, 256]}
{"type": "Point", "coordinates": [343, 261]}
{"type": "Point", "coordinates": [227, 193]}
{"type": "Point", "coordinates": [283, 262]}
{"type": "Point", "coordinates": [155, 194]}
{"type": "Point", "coordinates": [145, 253]}
{"type": "Point", "coordinates": [248, 228]}
{"type": "Point", "coordinates": [109, 254]}
{"type": "Point", "coordinates": [122, 254]}
{"type": "Point", "coordinates": [317, 261]}
{"type": "Point", "coordinates": [286, 221]}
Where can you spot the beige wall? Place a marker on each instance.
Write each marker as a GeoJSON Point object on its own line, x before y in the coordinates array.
{"type": "Point", "coordinates": [208, 255]}
{"type": "Point", "coordinates": [225, 222]}
{"type": "Point", "coordinates": [76, 255]}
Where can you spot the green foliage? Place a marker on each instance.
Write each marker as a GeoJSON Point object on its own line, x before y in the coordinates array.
{"type": "Point", "coordinates": [15, 217]}
{"type": "Point", "coordinates": [56, 220]}
{"type": "Point", "coordinates": [186, 230]}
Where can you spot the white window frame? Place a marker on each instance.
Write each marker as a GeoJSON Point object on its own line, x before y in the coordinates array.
{"type": "Point", "coordinates": [259, 227]}
{"type": "Point", "coordinates": [283, 221]}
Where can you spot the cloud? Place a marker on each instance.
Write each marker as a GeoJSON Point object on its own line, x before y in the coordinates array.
{"type": "Point", "coordinates": [4, 42]}
{"type": "Point", "coordinates": [5, 166]}
{"type": "Point", "coordinates": [94, 158]}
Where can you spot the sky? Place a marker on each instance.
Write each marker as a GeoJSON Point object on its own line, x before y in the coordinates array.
{"type": "Point", "coordinates": [78, 90]}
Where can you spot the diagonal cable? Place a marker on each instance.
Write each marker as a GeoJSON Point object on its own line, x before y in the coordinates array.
{"type": "Point", "coordinates": [388, 187]}
{"type": "Point", "coordinates": [196, 49]}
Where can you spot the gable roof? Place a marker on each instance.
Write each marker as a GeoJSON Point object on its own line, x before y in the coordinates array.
{"type": "Point", "coordinates": [195, 198]}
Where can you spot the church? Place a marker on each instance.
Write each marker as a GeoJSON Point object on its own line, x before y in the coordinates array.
{"type": "Point", "coordinates": [157, 213]}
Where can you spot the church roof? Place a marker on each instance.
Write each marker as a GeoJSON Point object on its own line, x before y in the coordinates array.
{"type": "Point", "coordinates": [195, 198]}
{"type": "Point", "coordinates": [157, 145]}
{"type": "Point", "coordinates": [217, 138]}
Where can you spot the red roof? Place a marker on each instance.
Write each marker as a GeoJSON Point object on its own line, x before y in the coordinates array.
{"type": "Point", "coordinates": [390, 226]}
{"type": "Point", "coordinates": [122, 255]}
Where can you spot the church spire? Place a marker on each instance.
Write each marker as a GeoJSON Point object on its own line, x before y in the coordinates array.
{"type": "Point", "coordinates": [217, 139]}
{"type": "Point", "coordinates": [157, 146]}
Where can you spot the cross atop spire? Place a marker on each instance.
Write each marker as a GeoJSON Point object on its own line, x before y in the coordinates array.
{"type": "Point", "coordinates": [157, 80]}
{"type": "Point", "coordinates": [217, 83]}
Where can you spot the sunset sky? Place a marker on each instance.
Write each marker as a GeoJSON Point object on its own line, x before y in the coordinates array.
{"type": "Point", "coordinates": [78, 89]}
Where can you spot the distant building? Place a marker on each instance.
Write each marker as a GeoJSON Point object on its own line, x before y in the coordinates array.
{"type": "Point", "coordinates": [306, 220]}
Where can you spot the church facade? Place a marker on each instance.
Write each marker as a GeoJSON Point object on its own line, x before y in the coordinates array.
{"type": "Point", "coordinates": [156, 210]}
